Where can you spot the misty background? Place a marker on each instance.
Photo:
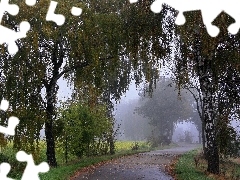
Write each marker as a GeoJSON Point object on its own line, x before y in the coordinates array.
{"type": "Point", "coordinates": [132, 126]}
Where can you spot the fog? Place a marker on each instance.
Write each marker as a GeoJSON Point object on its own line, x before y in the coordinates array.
{"type": "Point", "coordinates": [132, 126]}
{"type": "Point", "coordinates": [135, 127]}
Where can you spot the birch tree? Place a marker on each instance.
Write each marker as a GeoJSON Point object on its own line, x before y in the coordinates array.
{"type": "Point", "coordinates": [208, 59]}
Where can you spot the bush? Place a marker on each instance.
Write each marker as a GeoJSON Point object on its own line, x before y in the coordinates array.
{"type": "Point", "coordinates": [86, 130]}
{"type": "Point", "coordinates": [228, 140]}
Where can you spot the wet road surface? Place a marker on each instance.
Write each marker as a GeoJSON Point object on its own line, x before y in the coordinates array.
{"type": "Point", "coordinates": [145, 166]}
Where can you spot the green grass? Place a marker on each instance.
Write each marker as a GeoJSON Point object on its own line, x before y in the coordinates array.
{"type": "Point", "coordinates": [185, 168]}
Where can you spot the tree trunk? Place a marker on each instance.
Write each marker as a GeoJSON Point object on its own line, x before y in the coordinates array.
{"type": "Point", "coordinates": [199, 137]}
{"type": "Point", "coordinates": [66, 149]}
{"type": "Point", "coordinates": [112, 146]}
{"type": "Point", "coordinates": [210, 129]}
{"type": "Point", "coordinates": [206, 80]}
{"type": "Point", "coordinates": [51, 157]}
{"type": "Point", "coordinates": [204, 139]}
{"type": "Point", "coordinates": [203, 136]}
{"type": "Point", "coordinates": [106, 99]}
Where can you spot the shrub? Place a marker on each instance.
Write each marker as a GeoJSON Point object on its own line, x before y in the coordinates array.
{"type": "Point", "coordinates": [85, 131]}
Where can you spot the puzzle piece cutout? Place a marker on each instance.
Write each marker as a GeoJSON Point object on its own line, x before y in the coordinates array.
{"type": "Point", "coordinates": [10, 36]}
{"type": "Point", "coordinates": [31, 171]}
{"type": "Point", "coordinates": [12, 121]}
{"type": "Point", "coordinates": [59, 19]}
{"type": "Point", "coordinates": [209, 9]}
{"type": "Point", "coordinates": [30, 2]}
{"type": "Point", "coordinates": [4, 170]}
{"type": "Point", "coordinates": [76, 11]}
{"type": "Point", "coordinates": [4, 105]}
{"type": "Point", "coordinates": [12, 9]}
{"type": "Point", "coordinates": [10, 129]}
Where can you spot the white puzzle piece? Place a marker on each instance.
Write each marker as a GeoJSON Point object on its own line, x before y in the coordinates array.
{"type": "Point", "coordinates": [30, 2]}
{"type": "Point", "coordinates": [4, 105]}
{"type": "Point", "coordinates": [10, 36]}
{"type": "Point", "coordinates": [10, 129]}
{"type": "Point", "coordinates": [76, 11]}
{"type": "Point", "coordinates": [59, 19]}
{"type": "Point", "coordinates": [4, 170]}
{"type": "Point", "coordinates": [210, 9]}
{"type": "Point", "coordinates": [31, 171]}
{"type": "Point", "coordinates": [12, 121]}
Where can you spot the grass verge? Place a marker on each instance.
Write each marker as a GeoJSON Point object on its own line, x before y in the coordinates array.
{"type": "Point", "coordinates": [185, 169]}
{"type": "Point", "coordinates": [229, 168]}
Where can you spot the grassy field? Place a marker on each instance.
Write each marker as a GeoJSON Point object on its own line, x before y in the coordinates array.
{"type": "Point", "coordinates": [186, 169]}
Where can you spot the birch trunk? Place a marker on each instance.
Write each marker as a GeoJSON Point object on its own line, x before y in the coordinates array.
{"type": "Point", "coordinates": [206, 81]}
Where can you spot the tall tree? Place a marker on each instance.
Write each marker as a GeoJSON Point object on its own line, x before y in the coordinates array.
{"type": "Point", "coordinates": [207, 59]}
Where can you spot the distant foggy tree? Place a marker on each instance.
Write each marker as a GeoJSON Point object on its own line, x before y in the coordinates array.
{"type": "Point", "coordinates": [165, 107]}
{"type": "Point", "coordinates": [196, 101]}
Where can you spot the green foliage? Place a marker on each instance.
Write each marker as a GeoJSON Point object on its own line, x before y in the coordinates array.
{"type": "Point", "coordinates": [85, 130]}
{"type": "Point", "coordinates": [135, 146]}
{"type": "Point", "coordinates": [228, 140]}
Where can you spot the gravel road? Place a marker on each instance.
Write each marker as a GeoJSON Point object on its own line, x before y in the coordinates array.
{"type": "Point", "coordinates": [146, 166]}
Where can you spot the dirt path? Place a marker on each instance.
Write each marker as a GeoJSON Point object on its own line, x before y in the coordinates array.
{"type": "Point", "coordinates": [147, 166]}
